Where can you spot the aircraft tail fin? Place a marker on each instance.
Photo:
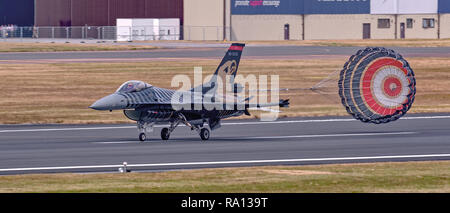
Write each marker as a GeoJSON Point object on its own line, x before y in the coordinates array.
{"type": "Point", "coordinates": [230, 61]}
{"type": "Point", "coordinates": [227, 68]}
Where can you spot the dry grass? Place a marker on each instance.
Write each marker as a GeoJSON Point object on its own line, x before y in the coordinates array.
{"type": "Point", "coordinates": [54, 47]}
{"type": "Point", "coordinates": [421, 177]}
{"type": "Point", "coordinates": [57, 47]}
{"type": "Point", "coordinates": [61, 93]}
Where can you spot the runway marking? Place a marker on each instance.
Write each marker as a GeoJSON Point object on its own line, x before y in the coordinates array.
{"type": "Point", "coordinates": [229, 162]}
{"type": "Point", "coordinates": [66, 129]}
{"type": "Point", "coordinates": [116, 142]}
{"type": "Point", "coordinates": [224, 124]}
{"type": "Point", "coordinates": [334, 135]}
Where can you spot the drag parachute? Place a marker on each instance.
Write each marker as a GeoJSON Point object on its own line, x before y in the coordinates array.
{"type": "Point", "coordinates": [377, 85]}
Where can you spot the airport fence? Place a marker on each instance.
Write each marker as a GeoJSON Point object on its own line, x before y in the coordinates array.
{"type": "Point", "coordinates": [135, 33]}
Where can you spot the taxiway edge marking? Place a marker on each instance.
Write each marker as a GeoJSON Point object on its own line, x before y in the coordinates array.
{"type": "Point", "coordinates": [225, 124]}
{"type": "Point", "coordinates": [228, 162]}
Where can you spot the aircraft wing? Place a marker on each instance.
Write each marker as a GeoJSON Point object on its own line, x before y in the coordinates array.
{"type": "Point", "coordinates": [208, 106]}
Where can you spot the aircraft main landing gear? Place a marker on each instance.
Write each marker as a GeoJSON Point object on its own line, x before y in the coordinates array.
{"type": "Point", "coordinates": [165, 134]}
{"type": "Point", "coordinates": [147, 127]}
{"type": "Point", "coordinates": [204, 134]}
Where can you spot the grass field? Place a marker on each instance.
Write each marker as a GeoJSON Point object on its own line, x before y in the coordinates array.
{"type": "Point", "coordinates": [58, 47]}
{"type": "Point", "coordinates": [408, 177]}
{"type": "Point", "coordinates": [62, 92]}
{"type": "Point", "coordinates": [54, 47]}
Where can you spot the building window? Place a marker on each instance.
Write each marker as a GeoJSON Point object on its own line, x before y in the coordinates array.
{"type": "Point", "coordinates": [409, 23]}
{"type": "Point", "coordinates": [384, 23]}
{"type": "Point", "coordinates": [428, 23]}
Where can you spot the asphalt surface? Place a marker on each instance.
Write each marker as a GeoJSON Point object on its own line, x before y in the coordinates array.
{"type": "Point", "coordinates": [295, 141]}
{"type": "Point", "coordinates": [218, 52]}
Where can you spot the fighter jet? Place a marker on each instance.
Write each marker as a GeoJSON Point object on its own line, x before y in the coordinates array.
{"type": "Point", "coordinates": [148, 105]}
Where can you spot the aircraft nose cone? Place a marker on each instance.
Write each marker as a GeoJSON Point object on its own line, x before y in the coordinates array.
{"type": "Point", "coordinates": [110, 102]}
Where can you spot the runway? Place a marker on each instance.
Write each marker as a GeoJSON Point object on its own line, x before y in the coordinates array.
{"type": "Point", "coordinates": [294, 141]}
{"type": "Point", "coordinates": [255, 51]}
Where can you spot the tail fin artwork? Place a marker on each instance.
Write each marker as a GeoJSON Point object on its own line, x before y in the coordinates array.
{"type": "Point", "coordinates": [227, 69]}
{"type": "Point", "coordinates": [230, 61]}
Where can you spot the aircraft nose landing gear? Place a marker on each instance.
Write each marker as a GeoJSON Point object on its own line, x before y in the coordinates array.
{"type": "Point", "coordinates": [142, 137]}
{"type": "Point", "coordinates": [144, 128]}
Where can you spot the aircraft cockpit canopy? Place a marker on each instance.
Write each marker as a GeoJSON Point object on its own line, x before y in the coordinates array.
{"type": "Point", "coordinates": [133, 86]}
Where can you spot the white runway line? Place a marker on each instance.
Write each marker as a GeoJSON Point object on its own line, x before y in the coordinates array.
{"type": "Point", "coordinates": [66, 129]}
{"type": "Point", "coordinates": [229, 162]}
{"type": "Point", "coordinates": [334, 135]}
{"type": "Point", "coordinates": [116, 142]}
{"type": "Point", "coordinates": [224, 124]}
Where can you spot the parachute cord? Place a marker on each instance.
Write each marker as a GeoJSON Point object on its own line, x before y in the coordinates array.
{"type": "Point", "coordinates": [316, 88]}
{"type": "Point", "coordinates": [330, 97]}
{"type": "Point", "coordinates": [325, 80]}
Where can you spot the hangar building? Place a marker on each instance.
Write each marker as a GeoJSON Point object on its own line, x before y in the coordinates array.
{"type": "Point", "coordinates": [47, 13]}
{"type": "Point", "coordinates": [102, 12]}
{"type": "Point", "coordinates": [318, 19]}
{"type": "Point", "coordinates": [244, 19]}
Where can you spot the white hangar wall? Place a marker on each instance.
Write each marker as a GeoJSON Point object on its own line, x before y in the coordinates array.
{"type": "Point", "coordinates": [348, 26]}
{"type": "Point", "coordinates": [445, 25]}
{"type": "Point", "coordinates": [206, 19]}
{"type": "Point", "coordinates": [383, 6]}
{"type": "Point", "coordinates": [403, 6]}
{"type": "Point", "coordinates": [417, 6]}
{"type": "Point", "coordinates": [416, 28]}
{"type": "Point", "coordinates": [266, 27]}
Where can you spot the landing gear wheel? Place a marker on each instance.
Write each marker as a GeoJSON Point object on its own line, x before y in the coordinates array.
{"type": "Point", "coordinates": [165, 134]}
{"type": "Point", "coordinates": [204, 134]}
{"type": "Point", "coordinates": [142, 137]}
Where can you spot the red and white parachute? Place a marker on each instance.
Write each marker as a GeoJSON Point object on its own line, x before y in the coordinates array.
{"type": "Point", "coordinates": [377, 85]}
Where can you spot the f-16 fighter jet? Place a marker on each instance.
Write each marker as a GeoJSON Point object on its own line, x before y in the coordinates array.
{"type": "Point", "coordinates": [147, 104]}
